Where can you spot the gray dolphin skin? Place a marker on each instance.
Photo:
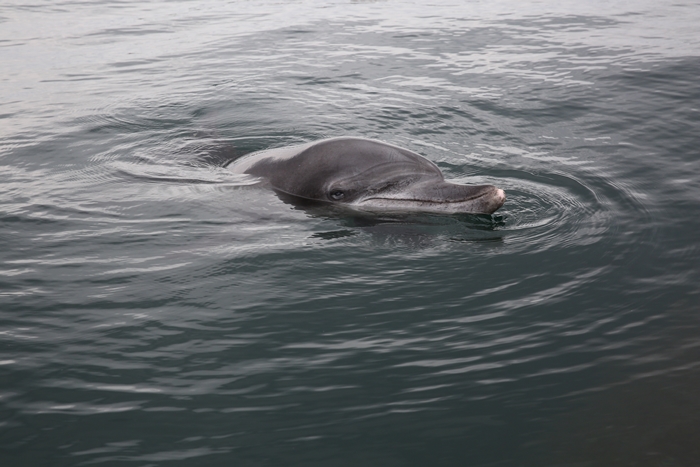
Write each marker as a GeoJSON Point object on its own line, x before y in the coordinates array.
{"type": "Point", "coordinates": [366, 175]}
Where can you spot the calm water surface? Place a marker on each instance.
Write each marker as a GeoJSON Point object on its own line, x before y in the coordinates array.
{"type": "Point", "coordinates": [157, 309]}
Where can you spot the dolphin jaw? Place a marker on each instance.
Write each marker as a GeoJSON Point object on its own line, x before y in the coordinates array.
{"type": "Point", "coordinates": [483, 203]}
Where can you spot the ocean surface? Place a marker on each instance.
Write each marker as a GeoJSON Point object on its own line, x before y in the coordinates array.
{"type": "Point", "coordinates": [157, 309]}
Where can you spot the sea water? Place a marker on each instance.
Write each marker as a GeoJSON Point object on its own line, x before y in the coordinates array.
{"type": "Point", "coordinates": [157, 309]}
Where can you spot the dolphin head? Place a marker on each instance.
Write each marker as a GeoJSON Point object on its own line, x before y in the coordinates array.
{"type": "Point", "coordinates": [371, 175]}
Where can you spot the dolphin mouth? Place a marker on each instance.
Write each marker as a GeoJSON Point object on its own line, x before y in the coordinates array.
{"type": "Point", "coordinates": [418, 200]}
{"type": "Point", "coordinates": [486, 201]}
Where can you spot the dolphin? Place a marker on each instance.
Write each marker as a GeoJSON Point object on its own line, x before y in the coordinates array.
{"type": "Point", "coordinates": [365, 175]}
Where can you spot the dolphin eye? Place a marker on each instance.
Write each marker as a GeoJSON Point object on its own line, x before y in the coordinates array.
{"type": "Point", "coordinates": [337, 194]}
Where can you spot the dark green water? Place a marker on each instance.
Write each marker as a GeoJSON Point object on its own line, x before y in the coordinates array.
{"type": "Point", "coordinates": [156, 309]}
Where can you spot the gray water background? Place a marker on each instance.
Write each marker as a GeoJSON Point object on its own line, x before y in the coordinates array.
{"type": "Point", "coordinates": [156, 309]}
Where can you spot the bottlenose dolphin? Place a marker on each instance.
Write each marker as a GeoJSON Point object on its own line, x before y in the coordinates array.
{"type": "Point", "coordinates": [366, 175]}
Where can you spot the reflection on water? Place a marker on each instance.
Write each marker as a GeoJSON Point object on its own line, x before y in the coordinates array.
{"type": "Point", "coordinates": [647, 419]}
{"type": "Point", "coordinates": [155, 307]}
